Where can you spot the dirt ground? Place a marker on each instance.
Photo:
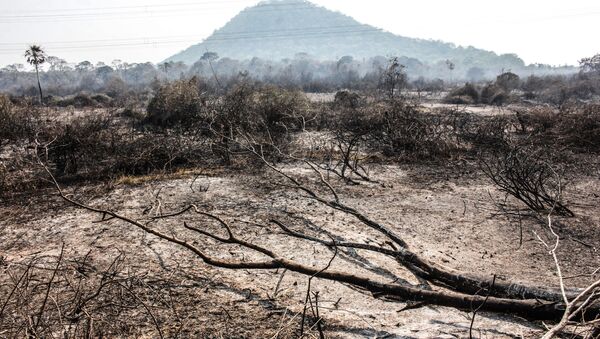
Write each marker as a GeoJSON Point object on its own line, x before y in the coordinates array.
{"type": "Point", "coordinates": [449, 214]}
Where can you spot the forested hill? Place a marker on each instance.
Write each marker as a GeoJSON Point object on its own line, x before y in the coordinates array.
{"type": "Point", "coordinates": [276, 30]}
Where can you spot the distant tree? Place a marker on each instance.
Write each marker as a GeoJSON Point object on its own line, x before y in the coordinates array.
{"type": "Point", "coordinates": [451, 66]}
{"type": "Point", "coordinates": [14, 70]}
{"type": "Point", "coordinates": [419, 85]}
{"type": "Point", "coordinates": [210, 56]}
{"type": "Point", "coordinates": [345, 60]}
{"type": "Point", "coordinates": [84, 66]}
{"type": "Point", "coordinates": [165, 66]}
{"type": "Point", "coordinates": [55, 63]}
{"type": "Point", "coordinates": [394, 78]}
{"type": "Point", "coordinates": [36, 56]}
{"type": "Point", "coordinates": [115, 87]}
{"type": "Point", "coordinates": [590, 65]}
{"type": "Point", "coordinates": [104, 72]}
{"type": "Point", "coordinates": [117, 64]}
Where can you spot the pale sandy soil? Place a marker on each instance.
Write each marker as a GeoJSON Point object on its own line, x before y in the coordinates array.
{"type": "Point", "coordinates": [431, 102]}
{"type": "Point", "coordinates": [445, 215]}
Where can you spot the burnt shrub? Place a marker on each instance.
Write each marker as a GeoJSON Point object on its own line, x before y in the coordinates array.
{"type": "Point", "coordinates": [487, 132]}
{"type": "Point", "coordinates": [536, 120]}
{"type": "Point", "coordinates": [99, 147]}
{"type": "Point", "coordinates": [102, 100]}
{"type": "Point", "coordinates": [175, 103]}
{"type": "Point", "coordinates": [280, 110]}
{"type": "Point", "coordinates": [81, 100]}
{"type": "Point", "coordinates": [575, 127]}
{"type": "Point", "coordinates": [16, 122]}
{"type": "Point", "coordinates": [493, 94]}
{"type": "Point", "coordinates": [396, 128]}
{"type": "Point", "coordinates": [84, 100]}
{"type": "Point", "coordinates": [399, 128]}
{"type": "Point", "coordinates": [249, 115]}
{"type": "Point", "coordinates": [526, 174]}
{"type": "Point", "coordinates": [347, 99]}
{"type": "Point", "coordinates": [6, 117]}
{"type": "Point", "coordinates": [82, 145]}
{"type": "Point", "coordinates": [256, 111]}
{"type": "Point", "coordinates": [468, 94]}
{"type": "Point", "coordinates": [158, 152]}
{"type": "Point", "coordinates": [508, 81]}
{"type": "Point", "coordinates": [579, 127]}
{"type": "Point", "coordinates": [560, 90]}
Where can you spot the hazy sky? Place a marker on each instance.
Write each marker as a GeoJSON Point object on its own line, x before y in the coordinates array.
{"type": "Point", "coordinates": [552, 31]}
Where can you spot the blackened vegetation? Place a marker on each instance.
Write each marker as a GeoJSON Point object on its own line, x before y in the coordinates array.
{"type": "Point", "coordinates": [188, 124]}
{"type": "Point", "coordinates": [186, 127]}
{"type": "Point", "coordinates": [523, 173]}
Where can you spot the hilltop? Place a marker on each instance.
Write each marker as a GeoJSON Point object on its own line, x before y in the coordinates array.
{"type": "Point", "coordinates": [276, 30]}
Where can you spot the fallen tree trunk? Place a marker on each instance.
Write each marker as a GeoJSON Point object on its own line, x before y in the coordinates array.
{"type": "Point", "coordinates": [445, 277]}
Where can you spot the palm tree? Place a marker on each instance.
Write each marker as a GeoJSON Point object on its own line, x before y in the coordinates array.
{"type": "Point", "coordinates": [36, 56]}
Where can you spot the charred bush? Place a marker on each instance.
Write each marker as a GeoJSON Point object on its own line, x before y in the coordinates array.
{"type": "Point", "coordinates": [574, 127]}
{"type": "Point", "coordinates": [508, 81]}
{"type": "Point", "coordinates": [524, 174]}
{"type": "Point", "coordinates": [96, 148]}
{"type": "Point", "coordinates": [80, 144]}
{"type": "Point", "coordinates": [396, 128]}
{"type": "Point", "coordinates": [411, 133]}
{"type": "Point", "coordinates": [102, 100]}
{"type": "Point", "coordinates": [251, 109]}
{"type": "Point", "coordinates": [152, 152]}
{"type": "Point", "coordinates": [468, 94]}
{"type": "Point", "coordinates": [354, 132]}
{"type": "Point", "coordinates": [280, 110]}
{"type": "Point", "coordinates": [178, 102]}
{"type": "Point", "coordinates": [486, 132]}
{"type": "Point", "coordinates": [579, 127]}
{"type": "Point", "coordinates": [493, 94]}
{"type": "Point", "coordinates": [560, 90]}
{"type": "Point", "coordinates": [16, 122]}
{"type": "Point", "coordinates": [81, 100]}
{"type": "Point", "coordinates": [347, 99]}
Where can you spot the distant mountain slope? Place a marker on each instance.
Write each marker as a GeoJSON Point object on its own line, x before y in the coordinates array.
{"type": "Point", "coordinates": [281, 29]}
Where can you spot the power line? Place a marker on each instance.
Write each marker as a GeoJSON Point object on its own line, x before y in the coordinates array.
{"type": "Point", "coordinates": [220, 35]}
{"type": "Point", "coordinates": [145, 11]}
{"type": "Point", "coordinates": [196, 3]}
{"type": "Point", "coordinates": [357, 32]}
